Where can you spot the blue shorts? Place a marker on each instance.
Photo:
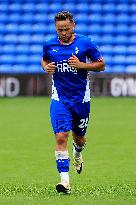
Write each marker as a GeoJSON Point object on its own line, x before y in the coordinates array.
{"type": "Point", "coordinates": [69, 116]}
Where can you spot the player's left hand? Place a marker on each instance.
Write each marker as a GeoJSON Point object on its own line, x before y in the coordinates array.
{"type": "Point", "coordinates": [73, 61]}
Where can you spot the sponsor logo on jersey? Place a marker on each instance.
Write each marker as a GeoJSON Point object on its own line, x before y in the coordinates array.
{"type": "Point", "coordinates": [63, 66]}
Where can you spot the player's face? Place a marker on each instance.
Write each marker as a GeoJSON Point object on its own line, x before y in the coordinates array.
{"type": "Point", "coordinates": [65, 30]}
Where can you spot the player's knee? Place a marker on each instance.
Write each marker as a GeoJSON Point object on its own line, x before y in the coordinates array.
{"type": "Point", "coordinates": [80, 141]}
{"type": "Point", "coordinates": [61, 138]}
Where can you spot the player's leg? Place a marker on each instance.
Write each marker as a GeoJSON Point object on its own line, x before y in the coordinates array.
{"type": "Point", "coordinates": [62, 161]}
{"type": "Point", "coordinates": [61, 123]}
{"type": "Point", "coordinates": [80, 121]}
{"type": "Point", "coordinates": [79, 143]}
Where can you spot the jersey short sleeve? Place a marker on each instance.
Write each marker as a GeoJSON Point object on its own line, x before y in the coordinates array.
{"type": "Point", "coordinates": [92, 51]}
{"type": "Point", "coordinates": [45, 53]}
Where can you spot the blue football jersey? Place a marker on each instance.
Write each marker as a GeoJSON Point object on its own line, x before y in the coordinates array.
{"type": "Point", "coordinates": [68, 83]}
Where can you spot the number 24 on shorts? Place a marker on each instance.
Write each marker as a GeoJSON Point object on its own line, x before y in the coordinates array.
{"type": "Point", "coordinates": [84, 123]}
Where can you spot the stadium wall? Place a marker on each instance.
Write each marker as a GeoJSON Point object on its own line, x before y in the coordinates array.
{"type": "Point", "coordinates": [115, 85]}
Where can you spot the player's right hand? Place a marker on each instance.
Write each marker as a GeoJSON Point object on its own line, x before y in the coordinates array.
{"type": "Point", "coordinates": [50, 68]}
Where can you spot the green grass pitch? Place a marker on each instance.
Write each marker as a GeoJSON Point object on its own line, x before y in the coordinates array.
{"type": "Point", "coordinates": [28, 172]}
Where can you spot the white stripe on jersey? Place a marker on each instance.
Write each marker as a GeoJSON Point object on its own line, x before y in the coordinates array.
{"type": "Point", "coordinates": [54, 91]}
{"type": "Point", "coordinates": [87, 92]}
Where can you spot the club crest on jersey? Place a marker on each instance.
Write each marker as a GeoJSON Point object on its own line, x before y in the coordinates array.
{"type": "Point", "coordinates": [63, 66]}
{"type": "Point", "coordinates": [76, 50]}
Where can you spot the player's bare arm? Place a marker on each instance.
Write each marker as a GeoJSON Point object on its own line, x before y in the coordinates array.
{"type": "Point", "coordinates": [48, 66]}
{"type": "Point", "coordinates": [94, 66]}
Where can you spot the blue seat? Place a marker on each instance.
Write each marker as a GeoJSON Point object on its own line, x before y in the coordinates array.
{"type": "Point", "coordinates": [121, 29]}
{"type": "Point", "coordinates": [3, 6]}
{"type": "Point", "coordinates": [21, 59]}
{"type": "Point", "coordinates": [122, 18]}
{"type": "Point", "coordinates": [131, 68]}
{"type": "Point", "coordinates": [14, 17]}
{"type": "Point", "coordinates": [130, 60]}
{"type": "Point", "coordinates": [11, 28]}
{"type": "Point", "coordinates": [95, 28]}
{"type": "Point", "coordinates": [122, 7]}
{"type": "Point", "coordinates": [132, 29]}
{"type": "Point", "coordinates": [70, 6]}
{"type": "Point", "coordinates": [42, 7]}
{"type": "Point", "coordinates": [22, 49]}
{"type": "Point", "coordinates": [132, 7]}
{"type": "Point", "coordinates": [27, 18]}
{"type": "Point", "coordinates": [5, 69]}
{"type": "Point", "coordinates": [14, 7]}
{"type": "Point", "coordinates": [132, 18]}
{"type": "Point", "coordinates": [81, 29]}
{"type": "Point", "coordinates": [109, 8]}
{"type": "Point", "coordinates": [32, 68]}
{"type": "Point", "coordinates": [10, 39]}
{"type": "Point", "coordinates": [24, 38]}
{"type": "Point", "coordinates": [81, 18]}
{"type": "Point", "coordinates": [108, 59]}
{"type": "Point", "coordinates": [108, 29]}
{"type": "Point", "coordinates": [119, 59]}
{"type": "Point", "coordinates": [3, 18]}
{"type": "Point", "coordinates": [131, 50]}
{"type": "Point", "coordinates": [40, 18]}
{"type": "Point", "coordinates": [107, 39]}
{"type": "Point", "coordinates": [51, 29]}
{"type": "Point", "coordinates": [82, 7]}
{"type": "Point", "coordinates": [108, 18]}
{"type": "Point", "coordinates": [38, 38]}
{"type": "Point", "coordinates": [7, 59]}
{"type": "Point", "coordinates": [8, 49]}
{"type": "Point", "coordinates": [93, 18]}
{"type": "Point", "coordinates": [28, 7]}
{"type": "Point", "coordinates": [121, 39]}
{"type": "Point", "coordinates": [25, 28]}
{"type": "Point", "coordinates": [106, 49]}
{"type": "Point", "coordinates": [39, 28]}
{"type": "Point", "coordinates": [36, 49]}
{"type": "Point", "coordinates": [119, 69]}
{"type": "Point", "coordinates": [132, 39]}
{"type": "Point", "coordinates": [34, 59]}
{"type": "Point", "coordinates": [120, 50]}
{"type": "Point", "coordinates": [2, 28]}
{"type": "Point", "coordinates": [95, 7]}
{"type": "Point", "coordinates": [55, 7]}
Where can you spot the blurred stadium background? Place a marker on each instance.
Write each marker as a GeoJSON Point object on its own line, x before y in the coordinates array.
{"type": "Point", "coordinates": [24, 25]}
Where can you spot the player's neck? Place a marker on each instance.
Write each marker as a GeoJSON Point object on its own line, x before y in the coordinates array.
{"type": "Point", "coordinates": [70, 40]}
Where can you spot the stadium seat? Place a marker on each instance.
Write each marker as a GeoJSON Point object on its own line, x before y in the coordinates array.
{"type": "Point", "coordinates": [81, 18]}
{"type": "Point", "coordinates": [22, 49]}
{"type": "Point", "coordinates": [3, 18]}
{"type": "Point", "coordinates": [11, 28]}
{"type": "Point", "coordinates": [27, 18]}
{"type": "Point", "coordinates": [82, 8]}
{"type": "Point", "coordinates": [109, 8]}
{"type": "Point", "coordinates": [14, 7]}
{"type": "Point", "coordinates": [131, 50]}
{"type": "Point", "coordinates": [7, 59]}
{"type": "Point", "coordinates": [54, 8]}
{"type": "Point", "coordinates": [14, 17]}
{"type": "Point", "coordinates": [36, 49]}
{"type": "Point", "coordinates": [108, 18]}
{"type": "Point", "coordinates": [10, 39]}
{"type": "Point", "coordinates": [118, 69]}
{"type": "Point", "coordinates": [69, 6]}
{"type": "Point", "coordinates": [8, 49]}
{"type": "Point", "coordinates": [130, 69]}
{"type": "Point", "coordinates": [119, 50]}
